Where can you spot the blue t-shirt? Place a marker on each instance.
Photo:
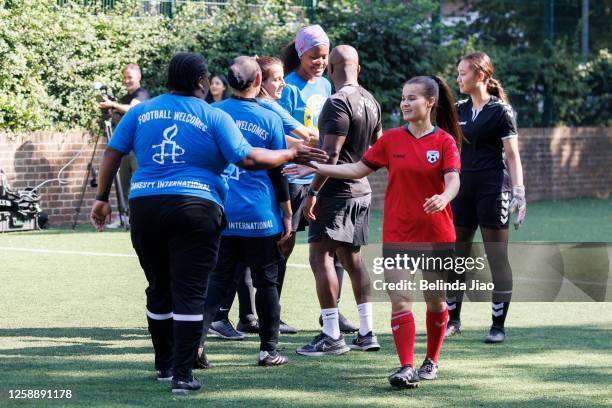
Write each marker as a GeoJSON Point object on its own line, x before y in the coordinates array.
{"type": "Point", "coordinates": [182, 147]}
{"type": "Point", "coordinates": [289, 122]}
{"type": "Point", "coordinates": [251, 208]}
{"type": "Point", "coordinates": [304, 101]}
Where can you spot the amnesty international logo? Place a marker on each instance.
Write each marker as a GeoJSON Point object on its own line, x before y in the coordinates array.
{"type": "Point", "coordinates": [168, 147]}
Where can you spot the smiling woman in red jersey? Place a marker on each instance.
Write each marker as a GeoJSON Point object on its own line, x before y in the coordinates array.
{"type": "Point", "coordinates": [423, 161]}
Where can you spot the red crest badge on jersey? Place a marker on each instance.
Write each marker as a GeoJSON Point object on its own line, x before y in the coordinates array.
{"type": "Point", "coordinates": [433, 156]}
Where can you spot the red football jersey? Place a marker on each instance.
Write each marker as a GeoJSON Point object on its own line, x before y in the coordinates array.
{"type": "Point", "coordinates": [416, 172]}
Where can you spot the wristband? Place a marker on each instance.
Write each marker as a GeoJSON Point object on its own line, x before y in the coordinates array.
{"type": "Point", "coordinates": [102, 198]}
{"type": "Point", "coordinates": [312, 193]}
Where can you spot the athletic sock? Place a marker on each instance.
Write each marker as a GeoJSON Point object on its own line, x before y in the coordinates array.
{"type": "Point", "coordinates": [436, 326]}
{"type": "Point", "coordinates": [454, 309]}
{"type": "Point", "coordinates": [162, 337]}
{"type": "Point", "coordinates": [331, 324]}
{"type": "Point", "coordinates": [499, 311]}
{"type": "Point", "coordinates": [365, 318]}
{"type": "Point", "coordinates": [402, 325]}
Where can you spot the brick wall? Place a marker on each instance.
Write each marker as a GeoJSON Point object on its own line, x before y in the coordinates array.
{"type": "Point", "coordinates": [558, 163]}
{"type": "Point", "coordinates": [29, 159]}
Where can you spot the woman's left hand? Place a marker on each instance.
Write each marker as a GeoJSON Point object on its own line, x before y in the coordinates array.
{"type": "Point", "coordinates": [435, 203]}
{"type": "Point", "coordinates": [100, 214]}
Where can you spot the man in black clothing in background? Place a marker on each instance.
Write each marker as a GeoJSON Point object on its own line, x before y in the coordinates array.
{"type": "Point", "coordinates": [135, 95]}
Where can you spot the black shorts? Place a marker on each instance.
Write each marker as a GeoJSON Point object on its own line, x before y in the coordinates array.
{"type": "Point", "coordinates": [483, 200]}
{"type": "Point", "coordinates": [298, 194]}
{"type": "Point", "coordinates": [341, 219]}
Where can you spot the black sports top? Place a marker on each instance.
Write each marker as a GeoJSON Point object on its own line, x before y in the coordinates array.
{"type": "Point", "coordinates": [484, 132]}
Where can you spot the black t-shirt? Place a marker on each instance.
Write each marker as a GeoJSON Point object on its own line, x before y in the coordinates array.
{"type": "Point", "coordinates": [485, 132]}
{"type": "Point", "coordinates": [141, 94]}
{"type": "Point", "coordinates": [351, 112]}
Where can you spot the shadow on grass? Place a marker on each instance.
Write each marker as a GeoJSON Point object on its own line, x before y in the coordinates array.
{"type": "Point", "coordinates": [104, 367]}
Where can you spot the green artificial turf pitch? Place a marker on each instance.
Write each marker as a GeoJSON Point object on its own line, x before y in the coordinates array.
{"type": "Point", "coordinates": [76, 322]}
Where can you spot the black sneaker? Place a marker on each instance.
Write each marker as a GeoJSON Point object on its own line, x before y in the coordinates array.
{"type": "Point", "coordinates": [496, 335]}
{"type": "Point", "coordinates": [323, 345]}
{"type": "Point", "coordinates": [184, 387]}
{"type": "Point", "coordinates": [201, 361]}
{"type": "Point", "coordinates": [248, 326]}
{"type": "Point", "coordinates": [284, 328]}
{"type": "Point", "coordinates": [428, 370]}
{"type": "Point", "coordinates": [163, 375]}
{"type": "Point", "coordinates": [272, 358]}
{"type": "Point", "coordinates": [369, 342]}
{"type": "Point", "coordinates": [225, 330]}
{"type": "Point", "coordinates": [453, 327]}
{"type": "Point", "coordinates": [404, 377]}
{"type": "Point", "coordinates": [345, 325]}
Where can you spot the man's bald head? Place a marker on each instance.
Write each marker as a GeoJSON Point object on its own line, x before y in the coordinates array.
{"type": "Point", "coordinates": [343, 65]}
{"type": "Point", "coordinates": [344, 55]}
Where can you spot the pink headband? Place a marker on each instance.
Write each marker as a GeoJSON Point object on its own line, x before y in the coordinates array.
{"type": "Point", "coordinates": [309, 37]}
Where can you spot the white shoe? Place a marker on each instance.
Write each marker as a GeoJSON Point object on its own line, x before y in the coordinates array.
{"type": "Point", "coordinates": [117, 223]}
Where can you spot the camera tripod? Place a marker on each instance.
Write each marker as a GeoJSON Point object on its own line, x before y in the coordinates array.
{"type": "Point", "coordinates": [121, 204]}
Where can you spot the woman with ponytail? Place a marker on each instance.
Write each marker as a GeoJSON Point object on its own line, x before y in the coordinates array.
{"type": "Point", "coordinates": [422, 158]}
{"type": "Point", "coordinates": [490, 189]}
{"type": "Point", "coordinates": [272, 85]}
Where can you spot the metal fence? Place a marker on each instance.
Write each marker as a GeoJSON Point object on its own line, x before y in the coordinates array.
{"type": "Point", "coordinates": [170, 7]}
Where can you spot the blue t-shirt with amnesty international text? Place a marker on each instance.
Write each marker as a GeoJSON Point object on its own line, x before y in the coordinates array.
{"type": "Point", "coordinates": [251, 208]}
{"type": "Point", "coordinates": [304, 101]}
{"type": "Point", "coordinates": [182, 146]}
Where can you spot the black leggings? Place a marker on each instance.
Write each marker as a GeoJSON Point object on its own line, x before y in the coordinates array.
{"type": "Point", "coordinates": [262, 256]}
{"type": "Point", "coordinates": [496, 247]}
{"type": "Point", "coordinates": [242, 284]}
{"type": "Point", "coordinates": [176, 239]}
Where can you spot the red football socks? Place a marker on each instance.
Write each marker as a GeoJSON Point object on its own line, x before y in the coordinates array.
{"type": "Point", "coordinates": [436, 326]}
{"type": "Point", "coordinates": [402, 325]}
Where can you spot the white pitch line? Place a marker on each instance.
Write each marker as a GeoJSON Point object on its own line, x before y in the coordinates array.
{"type": "Point", "coordinates": [88, 253]}
{"type": "Point", "coordinates": [63, 252]}
{"type": "Point", "coordinates": [298, 265]}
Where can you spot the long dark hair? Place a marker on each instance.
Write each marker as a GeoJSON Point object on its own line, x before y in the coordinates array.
{"type": "Point", "coordinates": [480, 62]}
{"type": "Point", "coordinates": [185, 71]}
{"type": "Point", "coordinates": [265, 63]}
{"type": "Point", "coordinates": [443, 113]}
{"type": "Point", "coordinates": [290, 58]}
{"type": "Point", "coordinates": [226, 94]}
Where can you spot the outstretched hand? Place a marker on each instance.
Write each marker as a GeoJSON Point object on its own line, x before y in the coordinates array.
{"type": "Point", "coordinates": [306, 154]}
{"type": "Point", "coordinates": [297, 171]}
